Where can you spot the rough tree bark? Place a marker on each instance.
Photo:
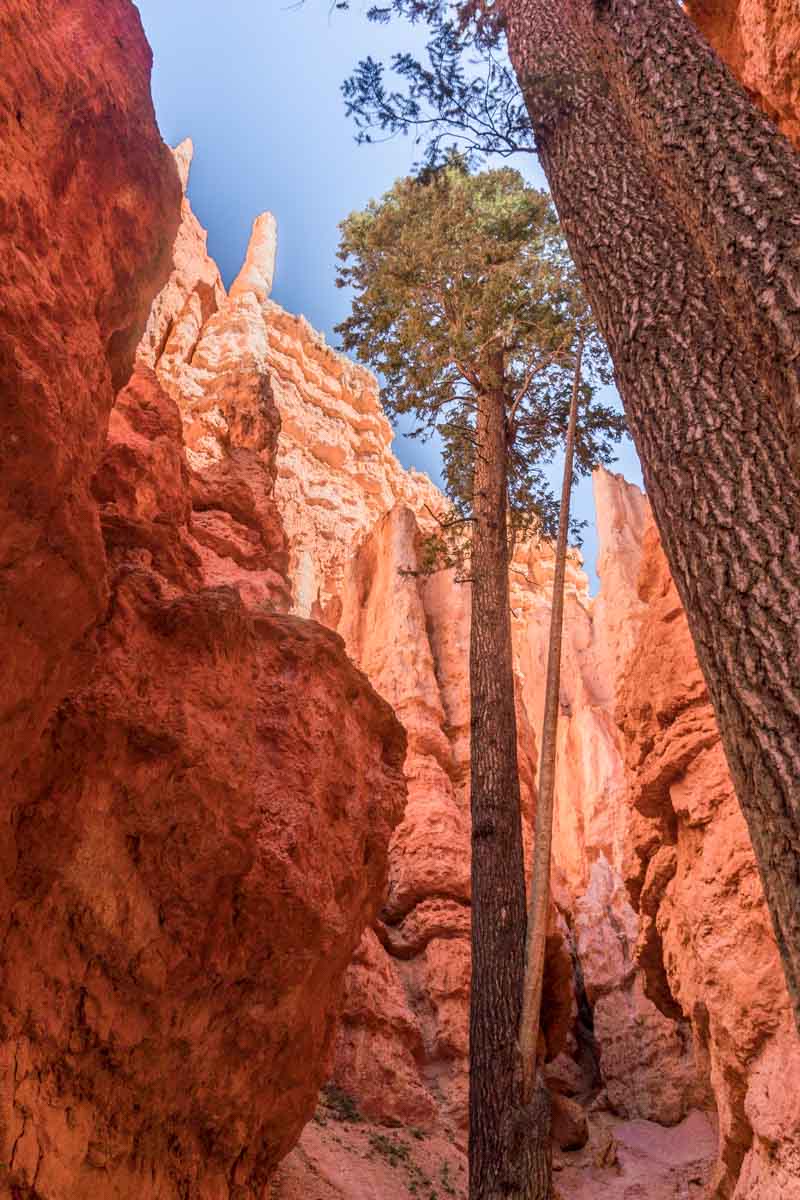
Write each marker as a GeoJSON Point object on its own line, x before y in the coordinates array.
{"type": "Point", "coordinates": [502, 1151]}
{"type": "Point", "coordinates": [681, 205]}
{"type": "Point", "coordinates": [539, 905]}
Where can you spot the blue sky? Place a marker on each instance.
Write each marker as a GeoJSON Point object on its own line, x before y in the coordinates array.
{"type": "Point", "coordinates": [255, 84]}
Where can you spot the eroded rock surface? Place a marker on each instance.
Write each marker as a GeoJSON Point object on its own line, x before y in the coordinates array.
{"type": "Point", "coordinates": [202, 788]}
{"type": "Point", "coordinates": [195, 875]}
{"type": "Point", "coordinates": [705, 943]}
{"type": "Point", "coordinates": [88, 211]}
{"type": "Point", "coordinates": [198, 789]}
{"type": "Point", "coordinates": [760, 42]}
{"type": "Point", "coordinates": [425, 919]}
{"type": "Point", "coordinates": [337, 475]}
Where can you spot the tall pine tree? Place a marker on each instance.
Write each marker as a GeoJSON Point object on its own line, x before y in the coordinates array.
{"type": "Point", "coordinates": [679, 201]}
{"type": "Point", "coordinates": [466, 303]}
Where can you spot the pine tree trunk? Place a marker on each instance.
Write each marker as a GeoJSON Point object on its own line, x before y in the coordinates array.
{"type": "Point", "coordinates": [680, 204]}
{"type": "Point", "coordinates": [539, 906]}
{"type": "Point", "coordinates": [501, 1144]}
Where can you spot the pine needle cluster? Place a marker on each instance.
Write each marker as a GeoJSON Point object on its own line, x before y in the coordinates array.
{"type": "Point", "coordinates": [462, 283]}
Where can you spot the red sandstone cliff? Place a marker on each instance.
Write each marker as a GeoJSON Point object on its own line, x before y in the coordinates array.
{"type": "Point", "coordinates": [623, 1027]}
{"type": "Point", "coordinates": [201, 789]}
{"type": "Point", "coordinates": [760, 42]}
{"type": "Point", "coordinates": [88, 212]}
{"type": "Point", "coordinates": [197, 790]}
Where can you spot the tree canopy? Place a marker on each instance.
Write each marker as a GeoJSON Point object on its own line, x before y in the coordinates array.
{"type": "Point", "coordinates": [461, 283]}
{"type": "Point", "coordinates": [463, 94]}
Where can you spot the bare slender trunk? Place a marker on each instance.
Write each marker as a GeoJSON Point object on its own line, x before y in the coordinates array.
{"type": "Point", "coordinates": [539, 906]}
{"type": "Point", "coordinates": [679, 201]}
{"type": "Point", "coordinates": [500, 1142]}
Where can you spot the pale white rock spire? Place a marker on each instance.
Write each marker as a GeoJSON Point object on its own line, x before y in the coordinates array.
{"type": "Point", "coordinates": [259, 266]}
{"type": "Point", "coordinates": [183, 155]}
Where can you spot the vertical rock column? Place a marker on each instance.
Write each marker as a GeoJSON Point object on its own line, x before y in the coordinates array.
{"type": "Point", "coordinates": [89, 206]}
{"type": "Point", "coordinates": [403, 1046]}
{"type": "Point", "coordinates": [705, 947]}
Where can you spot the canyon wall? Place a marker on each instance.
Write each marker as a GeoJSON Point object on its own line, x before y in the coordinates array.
{"type": "Point", "coordinates": [760, 42]}
{"type": "Point", "coordinates": [705, 944]}
{"type": "Point", "coordinates": [197, 789]}
{"type": "Point", "coordinates": [639, 1012]}
{"type": "Point", "coordinates": [88, 212]}
{"type": "Point", "coordinates": [214, 845]}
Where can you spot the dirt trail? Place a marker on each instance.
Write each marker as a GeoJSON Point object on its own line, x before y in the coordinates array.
{"type": "Point", "coordinates": [342, 1158]}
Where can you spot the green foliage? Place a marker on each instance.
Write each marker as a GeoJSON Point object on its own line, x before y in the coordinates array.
{"type": "Point", "coordinates": [399, 1154]}
{"type": "Point", "coordinates": [461, 285]}
{"type": "Point", "coordinates": [462, 92]}
{"type": "Point", "coordinates": [338, 1105]}
{"type": "Point", "coordinates": [392, 1149]}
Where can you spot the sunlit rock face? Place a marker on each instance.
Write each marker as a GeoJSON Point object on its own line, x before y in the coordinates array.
{"type": "Point", "coordinates": [259, 267]}
{"type": "Point", "coordinates": [198, 790]}
{"type": "Point", "coordinates": [337, 475]}
{"type": "Point", "coordinates": [705, 944]}
{"type": "Point", "coordinates": [419, 978]}
{"type": "Point", "coordinates": [620, 1015]}
{"type": "Point", "coordinates": [401, 1052]}
{"type": "Point", "coordinates": [646, 1059]}
{"type": "Point", "coordinates": [409, 633]}
{"type": "Point", "coordinates": [760, 42]}
{"type": "Point", "coordinates": [89, 205]}
{"type": "Point", "coordinates": [194, 289]}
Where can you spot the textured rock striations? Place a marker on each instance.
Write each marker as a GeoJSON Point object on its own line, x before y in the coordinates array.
{"type": "Point", "coordinates": [198, 790]}
{"type": "Point", "coordinates": [420, 987]}
{"type": "Point", "coordinates": [760, 42]}
{"type": "Point", "coordinates": [624, 1008]}
{"type": "Point", "coordinates": [205, 799]}
{"type": "Point", "coordinates": [409, 634]}
{"type": "Point", "coordinates": [194, 289]}
{"type": "Point", "coordinates": [337, 475]}
{"type": "Point", "coordinates": [88, 211]}
{"type": "Point", "coordinates": [705, 944]}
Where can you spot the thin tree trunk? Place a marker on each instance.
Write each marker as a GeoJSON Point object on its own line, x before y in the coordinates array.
{"type": "Point", "coordinates": [679, 201]}
{"type": "Point", "coordinates": [539, 906]}
{"type": "Point", "coordinates": [500, 1143]}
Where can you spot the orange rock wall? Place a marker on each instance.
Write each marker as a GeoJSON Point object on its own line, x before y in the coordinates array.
{"type": "Point", "coordinates": [197, 790]}
{"type": "Point", "coordinates": [760, 42]}
{"type": "Point", "coordinates": [705, 944]}
{"type": "Point", "coordinates": [208, 842]}
{"type": "Point", "coordinates": [88, 211]}
{"type": "Point", "coordinates": [354, 521]}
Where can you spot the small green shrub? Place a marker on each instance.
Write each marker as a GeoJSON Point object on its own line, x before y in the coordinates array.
{"type": "Point", "coordinates": [340, 1106]}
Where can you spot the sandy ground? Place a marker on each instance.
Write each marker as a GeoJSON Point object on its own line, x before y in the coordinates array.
{"type": "Point", "coordinates": [637, 1160]}
{"type": "Point", "coordinates": [343, 1158]}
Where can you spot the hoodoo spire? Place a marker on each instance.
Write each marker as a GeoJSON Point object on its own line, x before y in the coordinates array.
{"type": "Point", "coordinates": [259, 266]}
